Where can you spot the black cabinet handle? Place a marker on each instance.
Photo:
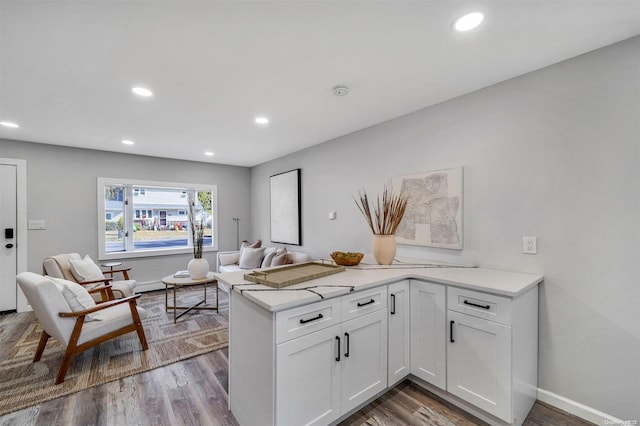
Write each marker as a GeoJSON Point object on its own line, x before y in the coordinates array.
{"type": "Point", "coordinates": [9, 245]}
{"type": "Point", "coordinates": [466, 302]}
{"type": "Point", "coordinates": [346, 353]}
{"type": "Point", "coordinates": [451, 332]}
{"type": "Point", "coordinates": [393, 304]}
{"type": "Point", "coordinates": [366, 303]}
{"type": "Point", "coordinates": [304, 321]}
{"type": "Point", "coordinates": [338, 339]}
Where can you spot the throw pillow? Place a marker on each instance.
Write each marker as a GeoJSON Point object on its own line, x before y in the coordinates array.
{"type": "Point", "coordinates": [77, 297]}
{"type": "Point", "coordinates": [281, 259]}
{"type": "Point", "coordinates": [269, 254]}
{"type": "Point", "coordinates": [251, 258]}
{"type": "Point", "coordinates": [86, 269]}
{"type": "Point", "coordinates": [246, 243]}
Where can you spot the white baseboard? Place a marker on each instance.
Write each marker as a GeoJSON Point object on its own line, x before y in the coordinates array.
{"type": "Point", "coordinates": [577, 409]}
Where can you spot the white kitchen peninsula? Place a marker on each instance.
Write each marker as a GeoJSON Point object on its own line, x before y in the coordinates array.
{"type": "Point", "coordinates": [315, 352]}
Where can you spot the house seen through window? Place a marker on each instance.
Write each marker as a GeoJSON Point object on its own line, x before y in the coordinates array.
{"type": "Point", "coordinates": [151, 218]}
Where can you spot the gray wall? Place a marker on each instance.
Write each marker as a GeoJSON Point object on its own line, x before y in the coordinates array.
{"type": "Point", "coordinates": [61, 189]}
{"type": "Point", "coordinates": [555, 154]}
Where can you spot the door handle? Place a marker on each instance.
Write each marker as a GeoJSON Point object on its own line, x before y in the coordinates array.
{"type": "Point", "coordinates": [346, 353]}
{"type": "Point", "coordinates": [9, 245]}
{"type": "Point", "coordinates": [338, 339]}
{"type": "Point", "coordinates": [393, 304]}
{"type": "Point", "coordinates": [451, 331]}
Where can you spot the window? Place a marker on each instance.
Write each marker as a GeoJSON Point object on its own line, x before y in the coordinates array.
{"type": "Point", "coordinates": [156, 224]}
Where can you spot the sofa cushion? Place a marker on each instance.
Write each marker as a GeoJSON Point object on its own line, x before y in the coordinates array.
{"type": "Point", "coordinates": [251, 258]}
{"type": "Point", "coordinates": [229, 258]}
{"type": "Point", "coordinates": [246, 243]}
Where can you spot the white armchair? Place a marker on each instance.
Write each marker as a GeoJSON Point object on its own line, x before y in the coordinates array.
{"type": "Point", "coordinates": [67, 313]}
{"type": "Point", "coordinates": [72, 267]}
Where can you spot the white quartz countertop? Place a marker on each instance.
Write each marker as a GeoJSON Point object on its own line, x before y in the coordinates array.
{"type": "Point", "coordinates": [502, 283]}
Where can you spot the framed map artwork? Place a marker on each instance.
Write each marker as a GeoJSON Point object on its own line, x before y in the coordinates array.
{"type": "Point", "coordinates": [434, 211]}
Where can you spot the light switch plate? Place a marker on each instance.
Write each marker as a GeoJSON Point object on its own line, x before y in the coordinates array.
{"type": "Point", "coordinates": [529, 245]}
{"type": "Point", "coordinates": [37, 224]}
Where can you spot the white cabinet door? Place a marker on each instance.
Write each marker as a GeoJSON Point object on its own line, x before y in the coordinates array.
{"type": "Point", "coordinates": [428, 332]}
{"type": "Point", "coordinates": [308, 379]}
{"type": "Point", "coordinates": [479, 363]}
{"type": "Point", "coordinates": [399, 339]}
{"type": "Point", "coordinates": [364, 358]}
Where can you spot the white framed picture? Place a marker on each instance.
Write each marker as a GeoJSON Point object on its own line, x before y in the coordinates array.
{"type": "Point", "coordinates": [284, 190]}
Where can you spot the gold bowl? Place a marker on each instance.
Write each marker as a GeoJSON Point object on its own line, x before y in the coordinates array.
{"type": "Point", "coordinates": [347, 258]}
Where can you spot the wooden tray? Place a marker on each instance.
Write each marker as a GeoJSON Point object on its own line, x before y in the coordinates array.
{"type": "Point", "coordinates": [293, 274]}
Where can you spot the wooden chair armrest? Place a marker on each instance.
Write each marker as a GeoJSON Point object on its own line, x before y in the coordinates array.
{"type": "Point", "coordinates": [101, 288]}
{"type": "Point", "coordinates": [124, 272]}
{"type": "Point", "coordinates": [104, 280]}
{"type": "Point", "coordinates": [105, 291]}
{"type": "Point", "coordinates": [101, 306]}
{"type": "Point", "coordinates": [116, 270]}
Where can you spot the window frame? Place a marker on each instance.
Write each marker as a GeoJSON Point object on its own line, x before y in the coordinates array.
{"type": "Point", "coordinates": [129, 251]}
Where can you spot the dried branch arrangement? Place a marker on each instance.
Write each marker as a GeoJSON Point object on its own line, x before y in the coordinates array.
{"type": "Point", "coordinates": [386, 214]}
{"type": "Point", "coordinates": [197, 229]}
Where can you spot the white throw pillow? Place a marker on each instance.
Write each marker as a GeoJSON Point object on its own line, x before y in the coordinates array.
{"type": "Point", "coordinates": [76, 296]}
{"type": "Point", "coordinates": [86, 269]}
{"type": "Point", "coordinates": [251, 258]}
{"type": "Point", "coordinates": [229, 258]}
{"type": "Point", "coordinates": [269, 254]}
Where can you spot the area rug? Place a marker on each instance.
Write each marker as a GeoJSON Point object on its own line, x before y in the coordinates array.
{"type": "Point", "coordinates": [24, 383]}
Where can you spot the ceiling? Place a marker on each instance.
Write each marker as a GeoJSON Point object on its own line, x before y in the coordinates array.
{"type": "Point", "coordinates": [67, 67]}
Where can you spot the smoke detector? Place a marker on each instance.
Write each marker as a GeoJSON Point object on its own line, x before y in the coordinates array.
{"type": "Point", "coordinates": [340, 90]}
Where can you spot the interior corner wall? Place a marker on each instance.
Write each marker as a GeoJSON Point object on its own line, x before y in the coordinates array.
{"type": "Point", "coordinates": [61, 189]}
{"type": "Point", "coordinates": [553, 154]}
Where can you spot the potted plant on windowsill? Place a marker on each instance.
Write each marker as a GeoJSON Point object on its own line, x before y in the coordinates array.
{"type": "Point", "coordinates": [198, 267]}
{"type": "Point", "coordinates": [383, 219]}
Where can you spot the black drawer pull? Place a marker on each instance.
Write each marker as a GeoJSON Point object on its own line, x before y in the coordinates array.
{"type": "Point", "coordinates": [466, 302]}
{"type": "Point", "coordinates": [393, 304]}
{"type": "Point", "coordinates": [451, 331]}
{"type": "Point", "coordinates": [304, 321]}
{"type": "Point", "coordinates": [366, 303]}
{"type": "Point", "coordinates": [346, 353]}
{"type": "Point", "coordinates": [338, 339]}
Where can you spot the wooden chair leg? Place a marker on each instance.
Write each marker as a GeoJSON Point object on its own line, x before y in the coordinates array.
{"type": "Point", "coordinates": [138, 322]}
{"type": "Point", "coordinates": [66, 362]}
{"type": "Point", "coordinates": [44, 337]}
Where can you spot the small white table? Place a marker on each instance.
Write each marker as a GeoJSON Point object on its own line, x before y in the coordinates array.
{"type": "Point", "coordinates": [172, 282]}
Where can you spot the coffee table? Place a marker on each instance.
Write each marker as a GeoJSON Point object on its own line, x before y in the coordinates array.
{"type": "Point", "coordinates": [172, 282]}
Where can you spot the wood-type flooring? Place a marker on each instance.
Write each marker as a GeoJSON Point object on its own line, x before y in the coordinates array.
{"type": "Point", "coordinates": [194, 392]}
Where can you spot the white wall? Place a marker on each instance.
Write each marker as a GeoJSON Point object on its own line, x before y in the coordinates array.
{"type": "Point", "coordinates": [61, 189]}
{"type": "Point", "coordinates": [555, 154]}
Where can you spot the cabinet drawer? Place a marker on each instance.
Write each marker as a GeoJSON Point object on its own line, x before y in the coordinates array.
{"type": "Point", "coordinates": [306, 319]}
{"type": "Point", "coordinates": [480, 305]}
{"type": "Point", "coordinates": [363, 302]}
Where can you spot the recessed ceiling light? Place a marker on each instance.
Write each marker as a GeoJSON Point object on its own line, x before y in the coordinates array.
{"type": "Point", "coordinates": [142, 91]}
{"type": "Point", "coordinates": [209, 153]}
{"type": "Point", "coordinates": [262, 120]}
{"type": "Point", "coordinates": [127, 142]}
{"type": "Point", "coordinates": [468, 21]}
{"type": "Point", "coordinates": [9, 124]}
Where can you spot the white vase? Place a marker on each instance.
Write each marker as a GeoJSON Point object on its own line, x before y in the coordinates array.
{"type": "Point", "coordinates": [198, 268]}
{"type": "Point", "coordinates": [384, 248]}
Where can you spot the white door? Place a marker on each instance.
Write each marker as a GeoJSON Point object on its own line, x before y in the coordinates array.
{"type": "Point", "coordinates": [428, 316]}
{"type": "Point", "coordinates": [364, 358]}
{"type": "Point", "coordinates": [308, 379]}
{"type": "Point", "coordinates": [479, 363]}
{"type": "Point", "coordinates": [399, 339]}
{"type": "Point", "coordinates": [8, 235]}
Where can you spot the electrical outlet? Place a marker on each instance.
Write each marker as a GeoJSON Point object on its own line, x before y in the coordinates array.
{"type": "Point", "coordinates": [529, 245]}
